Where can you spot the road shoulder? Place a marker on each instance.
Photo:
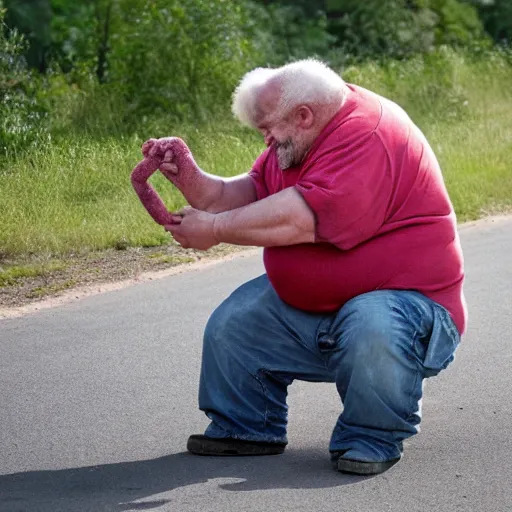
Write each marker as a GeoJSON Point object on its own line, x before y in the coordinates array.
{"type": "Point", "coordinates": [91, 274]}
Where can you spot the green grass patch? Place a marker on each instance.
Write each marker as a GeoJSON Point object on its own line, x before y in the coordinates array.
{"type": "Point", "coordinates": [10, 274]}
{"type": "Point", "coordinates": [161, 257]}
{"type": "Point", "coordinates": [463, 104]}
{"type": "Point", "coordinates": [74, 195]}
{"type": "Point", "coordinates": [42, 291]}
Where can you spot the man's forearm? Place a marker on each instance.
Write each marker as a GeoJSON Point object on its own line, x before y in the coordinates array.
{"type": "Point", "coordinates": [233, 193]}
{"type": "Point", "coordinates": [203, 191]}
{"type": "Point", "coordinates": [214, 194]}
{"type": "Point", "coordinates": [280, 219]}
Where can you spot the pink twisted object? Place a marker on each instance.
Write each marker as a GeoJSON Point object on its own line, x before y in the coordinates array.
{"type": "Point", "coordinates": [154, 152]}
{"type": "Point", "coordinates": [147, 194]}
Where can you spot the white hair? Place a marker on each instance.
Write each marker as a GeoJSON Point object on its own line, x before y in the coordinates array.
{"type": "Point", "coordinates": [308, 81]}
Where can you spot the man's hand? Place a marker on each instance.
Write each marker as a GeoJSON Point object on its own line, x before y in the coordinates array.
{"type": "Point", "coordinates": [174, 155]}
{"type": "Point", "coordinates": [193, 229]}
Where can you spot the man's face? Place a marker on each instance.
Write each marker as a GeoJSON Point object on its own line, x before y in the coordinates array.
{"type": "Point", "coordinates": [283, 135]}
{"type": "Point", "coordinates": [280, 132]}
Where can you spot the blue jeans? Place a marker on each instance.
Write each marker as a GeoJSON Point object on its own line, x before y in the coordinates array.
{"type": "Point", "coordinates": [377, 348]}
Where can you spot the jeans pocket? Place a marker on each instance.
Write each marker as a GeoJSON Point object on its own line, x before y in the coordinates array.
{"type": "Point", "coordinates": [327, 340]}
{"type": "Point", "coordinates": [442, 344]}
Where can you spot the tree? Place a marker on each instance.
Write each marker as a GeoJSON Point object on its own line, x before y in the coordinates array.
{"type": "Point", "coordinates": [81, 34]}
{"type": "Point", "coordinates": [21, 113]}
{"type": "Point", "coordinates": [33, 19]}
{"type": "Point", "coordinates": [398, 28]}
{"type": "Point", "coordinates": [458, 23]}
{"type": "Point", "coordinates": [394, 28]}
{"type": "Point", "coordinates": [179, 58]}
{"type": "Point", "coordinates": [497, 18]}
{"type": "Point", "coordinates": [308, 7]}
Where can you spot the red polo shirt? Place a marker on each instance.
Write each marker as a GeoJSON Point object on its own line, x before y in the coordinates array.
{"type": "Point", "coordinates": [383, 216]}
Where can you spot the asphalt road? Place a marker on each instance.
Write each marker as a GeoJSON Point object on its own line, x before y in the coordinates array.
{"type": "Point", "coordinates": [98, 398]}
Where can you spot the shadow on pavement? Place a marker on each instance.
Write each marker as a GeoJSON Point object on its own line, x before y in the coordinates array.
{"type": "Point", "coordinates": [120, 487]}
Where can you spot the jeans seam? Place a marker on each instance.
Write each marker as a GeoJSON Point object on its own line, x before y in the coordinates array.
{"type": "Point", "coordinates": [317, 354]}
{"type": "Point", "coordinates": [327, 358]}
{"type": "Point", "coordinates": [449, 324]}
{"type": "Point", "coordinates": [325, 355]}
{"type": "Point", "coordinates": [265, 394]}
{"type": "Point", "coordinates": [416, 357]}
{"type": "Point", "coordinates": [418, 375]}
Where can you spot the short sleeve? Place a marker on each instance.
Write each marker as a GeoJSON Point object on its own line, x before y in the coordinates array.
{"type": "Point", "coordinates": [257, 173]}
{"type": "Point", "coordinates": [349, 189]}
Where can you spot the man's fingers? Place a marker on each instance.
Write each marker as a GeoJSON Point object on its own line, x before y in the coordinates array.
{"type": "Point", "coordinates": [175, 224]}
{"type": "Point", "coordinates": [147, 146]}
{"type": "Point", "coordinates": [154, 150]}
{"type": "Point", "coordinates": [168, 167]}
{"type": "Point", "coordinates": [175, 232]}
{"type": "Point", "coordinates": [167, 164]}
{"type": "Point", "coordinates": [183, 211]}
{"type": "Point", "coordinates": [162, 147]}
{"type": "Point", "coordinates": [183, 242]}
{"type": "Point", "coordinates": [159, 148]}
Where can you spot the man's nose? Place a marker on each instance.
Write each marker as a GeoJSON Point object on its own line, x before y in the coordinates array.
{"type": "Point", "coordinates": [268, 138]}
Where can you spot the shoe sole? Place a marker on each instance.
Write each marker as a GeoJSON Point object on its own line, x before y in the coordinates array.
{"type": "Point", "coordinates": [202, 445]}
{"type": "Point", "coordinates": [357, 467]}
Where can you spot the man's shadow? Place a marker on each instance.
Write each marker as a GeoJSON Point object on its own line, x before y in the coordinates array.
{"type": "Point", "coordinates": [131, 485]}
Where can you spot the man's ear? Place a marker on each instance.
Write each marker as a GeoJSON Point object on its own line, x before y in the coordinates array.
{"type": "Point", "coordinates": [305, 117]}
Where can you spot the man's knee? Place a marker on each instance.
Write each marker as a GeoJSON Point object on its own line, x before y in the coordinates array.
{"type": "Point", "coordinates": [367, 321]}
{"type": "Point", "coordinates": [224, 325]}
{"type": "Point", "coordinates": [244, 315]}
{"type": "Point", "coordinates": [374, 337]}
{"type": "Point", "coordinates": [375, 356]}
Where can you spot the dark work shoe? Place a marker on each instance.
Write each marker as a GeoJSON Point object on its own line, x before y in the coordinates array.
{"type": "Point", "coordinates": [342, 462]}
{"type": "Point", "coordinates": [203, 445]}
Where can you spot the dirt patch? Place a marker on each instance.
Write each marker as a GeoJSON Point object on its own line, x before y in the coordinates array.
{"type": "Point", "coordinates": [67, 279]}
{"type": "Point", "coordinates": [80, 275]}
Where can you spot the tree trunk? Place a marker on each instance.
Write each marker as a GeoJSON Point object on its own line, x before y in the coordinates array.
{"type": "Point", "coordinates": [103, 46]}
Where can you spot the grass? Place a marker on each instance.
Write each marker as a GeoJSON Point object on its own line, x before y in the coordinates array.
{"type": "Point", "coordinates": [464, 106]}
{"type": "Point", "coordinates": [74, 194]}
{"type": "Point", "coordinates": [161, 257]}
{"type": "Point", "coordinates": [12, 273]}
{"type": "Point", "coordinates": [42, 291]}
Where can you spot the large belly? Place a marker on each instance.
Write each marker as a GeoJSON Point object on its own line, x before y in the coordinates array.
{"type": "Point", "coordinates": [318, 277]}
{"type": "Point", "coordinates": [321, 277]}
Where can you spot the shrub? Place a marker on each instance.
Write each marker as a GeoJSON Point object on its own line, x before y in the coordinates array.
{"type": "Point", "coordinates": [428, 87]}
{"type": "Point", "coordinates": [288, 32]}
{"type": "Point", "coordinates": [22, 114]}
{"type": "Point", "coordinates": [401, 28]}
{"type": "Point", "coordinates": [179, 59]}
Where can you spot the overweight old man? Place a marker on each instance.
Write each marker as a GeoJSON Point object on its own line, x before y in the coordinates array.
{"type": "Point", "coordinates": [364, 269]}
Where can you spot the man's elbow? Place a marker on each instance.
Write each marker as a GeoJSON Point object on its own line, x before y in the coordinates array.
{"type": "Point", "coordinates": [303, 227]}
{"type": "Point", "coordinates": [303, 219]}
